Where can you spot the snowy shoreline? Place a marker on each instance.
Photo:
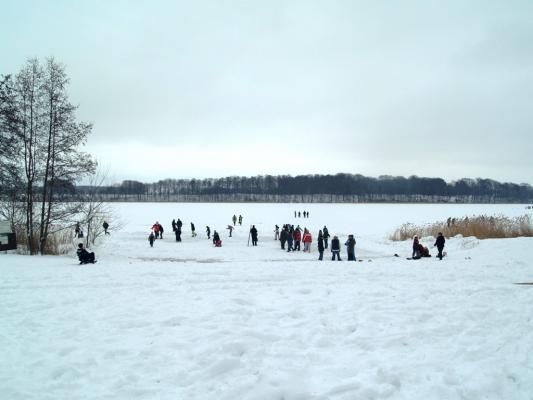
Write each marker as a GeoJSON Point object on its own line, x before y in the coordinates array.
{"type": "Point", "coordinates": [188, 320]}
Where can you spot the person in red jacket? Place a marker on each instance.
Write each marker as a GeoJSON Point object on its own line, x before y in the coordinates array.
{"type": "Point", "coordinates": [297, 239]}
{"type": "Point", "coordinates": [307, 239]}
{"type": "Point", "coordinates": [155, 229]}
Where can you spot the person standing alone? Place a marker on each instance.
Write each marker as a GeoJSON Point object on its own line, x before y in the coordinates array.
{"type": "Point", "coordinates": [253, 233]}
{"type": "Point", "coordinates": [440, 244]}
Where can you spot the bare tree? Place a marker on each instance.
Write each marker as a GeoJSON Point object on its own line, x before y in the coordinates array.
{"type": "Point", "coordinates": [39, 128]}
{"type": "Point", "coordinates": [63, 161]}
{"type": "Point", "coordinates": [94, 211]}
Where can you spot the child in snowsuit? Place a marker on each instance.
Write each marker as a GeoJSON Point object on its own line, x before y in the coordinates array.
{"type": "Point", "coordinates": [335, 249]}
{"type": "Point", "coordinates": [440, 244]}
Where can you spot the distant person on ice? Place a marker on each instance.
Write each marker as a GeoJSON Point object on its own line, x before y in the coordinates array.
{"type": "Point", "coordinates": [320, 245]}
{"type": "Point", "coordinates": [234, 219]}
{"type": "Point", "coordinates": [307, 239]}
{"type": "Point", "coordinates": [297, 238]}
{"type": "Point", "coordinates": [193, 230]}
{"type": "Point", "coordinates": [283, 236]}
{"type": "Point", "coordinates": [230, 228]}
{"type": "Point", "coordinates": [350, 247]}
{"type": "Point", "coordinates": [240, 219]}
{"type": "Point", "coordinates": [151, 238]}
{"type": "Point", "coordinates": [105, 225]}
{"type": "Point", "coordinates": [84, 256]}
{"type": "Point", "coordinates": [208, 232]}
{"type": "Point", "coordinates": [216, 239]}
{"type": "Point", "coordinates": [155, 229]}
{"type": "Point", "coordinates": [276, 232]}
{"type": "Point", "coordinates": [325, 232]}
{"type": "Point", "coordinates": [440, 244]}
{"type": "Point", "coordinates": [335, 249]}
{"type": "Point", "coordinates": [290, 238]}
{"type": "Point", "coordinates": [253, 233]}
{"type": "Point", "coordinates": [177, 232]}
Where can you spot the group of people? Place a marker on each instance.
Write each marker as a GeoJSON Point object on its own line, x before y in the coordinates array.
{"type": "Point", "coordinates": [293, 237]}
{"type": "Point", "coordinates": [419, 250]}
{"type": "Point", "coordinates": [300, 213]}
{"type": "Point", "coordinates": [234, 219]}
{"type": "Point", "coordinates": [157, 231]}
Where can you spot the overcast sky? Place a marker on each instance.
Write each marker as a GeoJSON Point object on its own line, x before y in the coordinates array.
{"type": "Point", "coordinates": [213, 88]}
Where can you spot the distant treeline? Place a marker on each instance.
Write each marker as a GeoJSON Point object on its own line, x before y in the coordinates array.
{"type": "Point", "coordinates": [341, 187]}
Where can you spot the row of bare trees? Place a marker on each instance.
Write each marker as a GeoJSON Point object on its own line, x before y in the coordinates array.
{"type": "Point", "coordinates": [320, 188]}
{"type": "Point", "coordinates": [40, 152]}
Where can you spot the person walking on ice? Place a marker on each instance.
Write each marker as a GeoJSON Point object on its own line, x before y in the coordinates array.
{"type": "Point", "coordinates": [208, 232]}
{"type": "Point", "coordinates": [230, 228]}
{"type": "Point", "coordinates": [234, 219]}
{"type": "Point", "coordinates": [193, 232]}
{"type": "Point", "coordinates": [240, 219]}
{"type": "Point", "coordinates": [105, 225]}
{"type": "Point", "coordinates": [151, 238]}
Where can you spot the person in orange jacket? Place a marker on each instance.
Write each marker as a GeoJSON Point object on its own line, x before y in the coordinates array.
{"type": "Point", "coordinates": [307, 239]}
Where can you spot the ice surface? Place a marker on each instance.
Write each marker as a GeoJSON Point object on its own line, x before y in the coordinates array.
{"type": "Point", "coordinates": [191, 321]}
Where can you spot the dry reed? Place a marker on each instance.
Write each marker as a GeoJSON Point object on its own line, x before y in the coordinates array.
{"type": "Point", "coordinates": [482, 227]}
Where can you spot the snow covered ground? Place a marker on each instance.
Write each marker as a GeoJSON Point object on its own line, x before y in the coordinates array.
{"type": "Point", "coordinates": [191, 321]}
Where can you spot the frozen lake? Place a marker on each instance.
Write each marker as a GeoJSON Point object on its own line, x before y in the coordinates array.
{"type": "Point", "coordinates": [191, 321]}
{"type": "Point", "coordinates": [360, 219]}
